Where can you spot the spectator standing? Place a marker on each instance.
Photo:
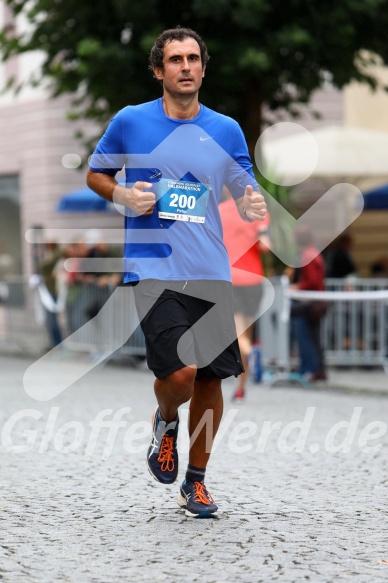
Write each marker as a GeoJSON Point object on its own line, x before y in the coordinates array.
{"type": "Point", "coordinates": [53, 254]}
{"type": "Point", "coordinates": [75, 308]}
{"type": "Point", "coordinates": [247, 274]}
{"type": "Point", "coordinates": [98, 286]}
{"type": "Point", "coordinates": [340, 261]}
{"type": "Point", "coordinates": [307, 316]}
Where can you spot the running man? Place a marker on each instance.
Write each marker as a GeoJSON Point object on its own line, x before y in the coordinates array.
{"type": "Point", "coordinates": [178, 155]}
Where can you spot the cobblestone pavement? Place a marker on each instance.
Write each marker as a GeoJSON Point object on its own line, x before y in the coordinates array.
{"type": "Point", "coordinates": [79, 509]}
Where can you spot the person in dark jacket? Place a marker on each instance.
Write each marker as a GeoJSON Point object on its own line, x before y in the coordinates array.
{"type": "Point", "coordinates": [306, 316]}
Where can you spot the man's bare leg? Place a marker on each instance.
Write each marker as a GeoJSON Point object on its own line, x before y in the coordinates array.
{"type": "Point", "coordinates": [205, 416]}
{"type": "Point", "coordinates": [174, 390]}
{"type": "Point", "coordinates": [207, 396]}
{"type": "Point", "coordinates": [206, 399]}
{"type": "Point", "coordinates": [171, 392]}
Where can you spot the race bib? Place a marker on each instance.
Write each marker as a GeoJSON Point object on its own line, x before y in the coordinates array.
{"type": "Point", "coordinates": [182, 200]}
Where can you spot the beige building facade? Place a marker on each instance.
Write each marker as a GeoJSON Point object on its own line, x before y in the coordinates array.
{"type": "Point", "coordinates": [36, 139]}
{"type": "Point", "coordinates": [365, 108]}
{"type": "Point", "coordinates": [368, 109]}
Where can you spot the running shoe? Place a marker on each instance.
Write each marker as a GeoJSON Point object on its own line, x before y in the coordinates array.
{"type": "Point", "coordinates": [238, 395]}
{"type": "Point", "coordinates": [162, 455]}
{"type": "Point", "coordinates": [318, 376]}
{"type": "Point", "coordinates": [197, 500]}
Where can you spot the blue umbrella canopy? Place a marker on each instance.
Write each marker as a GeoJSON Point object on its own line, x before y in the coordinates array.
{"type": "Point", "coordinates": [83, 201]}
{"type": "Point", "coordinates": [377, 198]}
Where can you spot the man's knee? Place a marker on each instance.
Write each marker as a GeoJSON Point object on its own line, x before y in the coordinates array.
{"type": "Point", "coordinates": [182, 381]}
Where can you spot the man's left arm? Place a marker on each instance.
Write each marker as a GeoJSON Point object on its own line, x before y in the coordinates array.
{"type": "Point", "coordinates": [241, 180]}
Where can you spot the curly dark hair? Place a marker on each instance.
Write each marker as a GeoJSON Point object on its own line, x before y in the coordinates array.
{"type": "Point", "coordinates": [179, 33]}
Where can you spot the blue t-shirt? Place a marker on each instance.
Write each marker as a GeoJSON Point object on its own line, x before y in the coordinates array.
{"type": "Point", "coordinates": [188, 162]}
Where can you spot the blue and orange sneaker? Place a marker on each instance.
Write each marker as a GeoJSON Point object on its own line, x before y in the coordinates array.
{"type": "Point", "coordinates": [162, 455]}
{"type": "Point", "coordinates": [197, 500]}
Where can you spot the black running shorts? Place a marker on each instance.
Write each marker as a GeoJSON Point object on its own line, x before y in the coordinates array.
{"type": "Point", "coordinates": [186, 323]}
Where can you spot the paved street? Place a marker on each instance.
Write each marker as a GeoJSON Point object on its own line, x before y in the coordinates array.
{"type": "Point", "coordinates": [78, 505]}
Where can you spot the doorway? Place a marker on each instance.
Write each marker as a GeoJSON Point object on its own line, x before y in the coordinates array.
{"type": "Point", "coordinates": [10, 241]}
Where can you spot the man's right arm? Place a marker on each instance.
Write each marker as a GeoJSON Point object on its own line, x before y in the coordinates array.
{"type": "Point", "coordinates": [136, 198]}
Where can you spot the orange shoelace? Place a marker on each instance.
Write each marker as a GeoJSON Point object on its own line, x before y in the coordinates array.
{"type": "Point", "coordinates": [166, 457]}
{"type": "Point", "coordinates": [200, 494]}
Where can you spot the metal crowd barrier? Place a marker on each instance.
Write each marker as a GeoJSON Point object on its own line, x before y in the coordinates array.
{"type": "Point", "coordinates": [89, 323]}
{"type": "Point", "coordinates": [273, 331]}
{"type": "Point", "coordinates": [354, 331]}
{"type": "Point", "coordinates": [22, 322]}
{"type": "Point", "coordinates": [99, 318]}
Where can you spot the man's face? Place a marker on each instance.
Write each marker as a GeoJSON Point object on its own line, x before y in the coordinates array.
{"type": "Point", "coordinates": [182, 69]}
